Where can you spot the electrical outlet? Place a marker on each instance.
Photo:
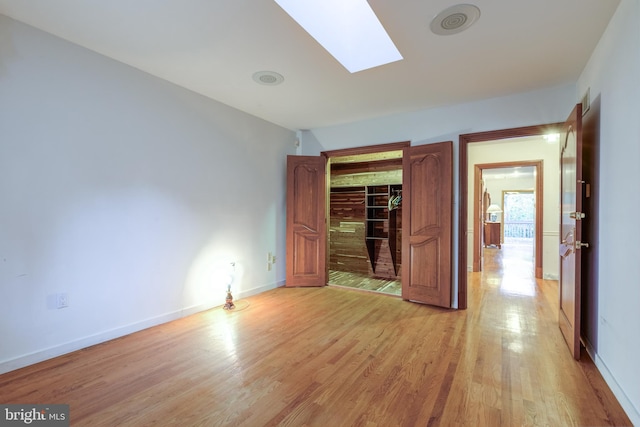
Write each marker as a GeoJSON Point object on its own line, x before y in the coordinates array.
{"type": "Point", "coordinates": [62, 300]}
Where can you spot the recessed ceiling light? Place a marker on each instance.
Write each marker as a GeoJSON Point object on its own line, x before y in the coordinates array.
{"type": "Point", "coordinates": [455, 19]}
{"type": "Point", "coordinates": [552, 138]}
{"type": "Point", "coordinates": [348, 30]}
{"type": "Point", "coordinates": [269, 78]}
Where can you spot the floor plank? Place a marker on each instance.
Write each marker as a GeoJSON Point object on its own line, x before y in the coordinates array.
{"type": "Point", "coordinates": [365, 282]}
{"type": "Point", "coordinates": [336, 357]}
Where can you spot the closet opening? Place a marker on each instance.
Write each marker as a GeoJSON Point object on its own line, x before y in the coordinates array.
{"type": "Point", "coordinates": [365, 218]}
{"type": "Point", "coordinates": [417, 181]}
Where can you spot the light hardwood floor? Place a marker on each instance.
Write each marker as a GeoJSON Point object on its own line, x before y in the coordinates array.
{"type": "Point", "coordinates": [336, 357]}
{"type": "Point", "coordinates": [365, 283]}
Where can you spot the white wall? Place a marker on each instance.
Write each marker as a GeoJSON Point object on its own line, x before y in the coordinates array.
{"type": "Point", "coordinates": [497, 186]}
{"type": "Point", "coordinates": [550, 105]}
{"type": "Point", "coordinates": [125, 192]}
{"type": "Point", "coordinates": [613, 76]}
{"type": "Point", "coordinates": [522, 149]}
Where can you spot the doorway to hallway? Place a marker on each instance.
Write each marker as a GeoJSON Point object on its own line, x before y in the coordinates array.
{"type": "Point", "coordinates": [501, 146]}
{"type": "Point", "coordinates": [519, 228]}
{"type": "Point", "coordinates": [493, 183]}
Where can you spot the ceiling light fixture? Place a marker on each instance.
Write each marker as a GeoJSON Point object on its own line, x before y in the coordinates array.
{"type": "Point", "coordinates": [455, 19]}
{"type": "Point", "coordinates": [551, 138]}
{"type": "Point", "coordinates": [269, 78]}
{"type": "Point", "coordinates": [349, 30]}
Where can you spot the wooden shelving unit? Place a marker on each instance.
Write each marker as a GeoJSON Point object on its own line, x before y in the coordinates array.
{"type": "Point", "coordinates": [381, 223]}
{"type": "Point", "coordinates": [347, 230]}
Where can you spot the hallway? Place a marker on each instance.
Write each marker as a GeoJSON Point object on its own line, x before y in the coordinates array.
{"type": "Point", "coordinates": [511, 267]}
{"type": "Point", "coordinates": [517, 316]}
{"type": "Point", "coordinates": [508, 277]}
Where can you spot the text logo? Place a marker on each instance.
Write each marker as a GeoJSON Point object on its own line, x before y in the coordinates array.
{"type": "Point", "coordinates": [34, 415]}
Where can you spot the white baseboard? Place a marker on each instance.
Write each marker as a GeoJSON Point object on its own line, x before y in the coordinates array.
{"type": "Point", "coordinates": [59, 350]}
{"type": "Point", "coordinates": [68, 347]}
{"type": "Point", "coordinates": [628, 406]}
{"type": "Point", "coordinates": [250, 292]}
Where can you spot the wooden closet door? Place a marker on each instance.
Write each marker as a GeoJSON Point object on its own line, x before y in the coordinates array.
{"type": "Point", "coordinates": [570, 284]}
{"type": "Point", "coordinates": [427, 217]}
{"type": "Point", "coordinates": [306, 225]}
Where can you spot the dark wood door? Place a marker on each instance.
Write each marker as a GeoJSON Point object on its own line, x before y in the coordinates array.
{"type": "Point", "coordinates": [427, 186]}
{"type": "Point", "coordinates": [571, 230]}
{"type": "Point", "coordinates": [306, 225]}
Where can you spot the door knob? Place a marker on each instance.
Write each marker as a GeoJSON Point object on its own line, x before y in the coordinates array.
{"type": "Point", "coordinates": [580, 245]}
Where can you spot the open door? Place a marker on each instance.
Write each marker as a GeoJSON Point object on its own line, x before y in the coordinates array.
{"type": "Point", "coordinates": [306, 225]}
{"type": "Point", "coordinates": [571, 215]}
{"type": "Point", "coordinates": [426, 221]}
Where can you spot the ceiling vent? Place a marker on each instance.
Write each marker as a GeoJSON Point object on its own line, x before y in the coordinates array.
{"type": "Point", "coordinates": [269, 78]}
{"type": "Point", "coordinates": [455, 19]}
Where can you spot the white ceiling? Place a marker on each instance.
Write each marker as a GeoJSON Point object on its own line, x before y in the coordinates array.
{"type": "Point", "coordinates": [213, 47]}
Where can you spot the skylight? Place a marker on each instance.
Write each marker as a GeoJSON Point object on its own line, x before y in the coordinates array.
{"type": "Point", "coordinates": [348, 29]}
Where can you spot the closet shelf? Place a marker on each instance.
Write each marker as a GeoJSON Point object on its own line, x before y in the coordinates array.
{"type": "Point", "coordinates": [381, 222]}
